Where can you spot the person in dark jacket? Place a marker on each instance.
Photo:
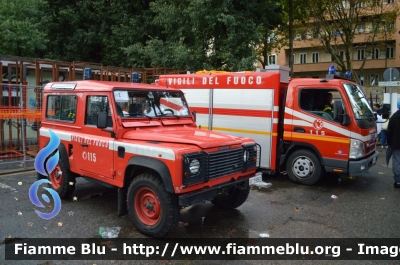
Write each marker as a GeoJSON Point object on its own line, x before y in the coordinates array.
{"type": "Point", "coordinates": [393, 140]}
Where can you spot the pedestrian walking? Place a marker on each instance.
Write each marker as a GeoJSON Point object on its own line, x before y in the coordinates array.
{"type": "Point", "coordinates": [384, 133]}
{"type": "Point", "coordinates": [379, 122]}
{"type": "Point", "coordinates": [393, 140]}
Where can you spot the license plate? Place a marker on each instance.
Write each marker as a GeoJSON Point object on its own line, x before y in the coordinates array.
{"type": "Point", "coordinates": [256, 179]}
{"type": "Point", "coordinates": [374, 160]}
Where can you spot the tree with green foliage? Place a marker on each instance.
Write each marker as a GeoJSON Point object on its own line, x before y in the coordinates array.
{"type": "Point", "coordinates": [206, 34]}
{"type": "Point", "coordinates": [21, 28]}
{"type": "Point", "coordinates": [181, 34]}
{"type": "Point", "coordinates": [97, 30]}
{"type": "Point", "coordinates": [268, 16]}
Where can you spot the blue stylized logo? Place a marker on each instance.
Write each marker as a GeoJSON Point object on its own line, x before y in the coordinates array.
{"type": "Point", "coordinates": [45, 162]}
{"type": "Point", "coordinates": [35, 200]}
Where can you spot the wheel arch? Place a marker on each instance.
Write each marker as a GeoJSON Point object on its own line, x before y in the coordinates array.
{"type": "Point", "coordinates": [64, 155]}
{"type": "Point", "coordinates": [139, 164]}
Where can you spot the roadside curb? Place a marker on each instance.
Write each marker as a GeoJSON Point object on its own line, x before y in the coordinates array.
{"type": "Point", "coordinates": [13, 171]}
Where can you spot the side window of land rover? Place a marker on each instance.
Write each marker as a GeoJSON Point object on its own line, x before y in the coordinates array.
{"type": "Point", "coordinates": [61, 108]}
{"type": "Point", "coordinates": [94, 105]}
{"type": "Point", "coordinates": [319, 102]}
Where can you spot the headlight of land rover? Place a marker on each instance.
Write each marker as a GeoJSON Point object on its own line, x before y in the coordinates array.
{"type": "Point", "coordinates": [193, 168]}
{"type": "Point", "coordinates": [356, 149]}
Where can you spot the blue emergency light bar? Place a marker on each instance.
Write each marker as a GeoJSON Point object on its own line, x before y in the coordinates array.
{"type": "Point", "coordinates": [135, 77]}
{"type": "Point", "coordinates": [338, 75]}
{"type": "Point", "coordinates": [87, 74]}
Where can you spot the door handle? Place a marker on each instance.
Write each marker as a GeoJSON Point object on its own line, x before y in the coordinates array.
{"type": "Point", "coordinates": [84, 145]}
{"type": "Point", "coordinates": [299, 129]}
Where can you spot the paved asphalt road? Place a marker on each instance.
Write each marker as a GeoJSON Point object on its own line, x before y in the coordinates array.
{"type": "Point", "coordinates": [367, 207]}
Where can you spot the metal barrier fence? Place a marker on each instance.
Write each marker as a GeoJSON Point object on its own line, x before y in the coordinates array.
{"type": "Point", "coordinates": [20, 116]}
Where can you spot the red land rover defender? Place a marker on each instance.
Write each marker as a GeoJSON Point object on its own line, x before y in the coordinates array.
{"type": "Point", "coordinates": [143, 140]}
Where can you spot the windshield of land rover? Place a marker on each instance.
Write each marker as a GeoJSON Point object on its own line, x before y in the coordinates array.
{"type": "Point", "coordinates": [138, 104]}
{"type": "Point", "coordinates": [359, 102]}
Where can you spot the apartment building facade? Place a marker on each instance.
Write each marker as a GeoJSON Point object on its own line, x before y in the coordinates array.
{"type": "Point", "coordinates": [311, 59]}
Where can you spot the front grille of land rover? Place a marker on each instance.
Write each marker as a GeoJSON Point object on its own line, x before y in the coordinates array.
{"type": "Point", "coordinates": [224, 163]}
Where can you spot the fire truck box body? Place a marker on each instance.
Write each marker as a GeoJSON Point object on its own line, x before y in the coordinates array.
{"type": "Point", "coordinates": [143, 140]}
{"type": "Point", "coordinates": [285, 118]}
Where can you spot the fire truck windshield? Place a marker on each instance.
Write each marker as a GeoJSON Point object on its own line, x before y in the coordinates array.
{"type": "Point", "coordinates": [144, 103]}
{"type": "Point", "coordinates": [359, 102]}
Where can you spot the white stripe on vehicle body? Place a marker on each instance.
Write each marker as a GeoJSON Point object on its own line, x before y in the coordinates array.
{"type": "Point", "coordinates": [327, 125]}
{"type": "Point", "coordinates": [62, 135]}
{"type": "Point", "coordinates": [137, 149]}
{"type": "Point", "coordinates": [145, 150]}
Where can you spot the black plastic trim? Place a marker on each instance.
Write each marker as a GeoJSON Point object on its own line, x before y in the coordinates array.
{"type": "Point", "coordinates": [208, 194]}
{"type": "Point", "coordinates": [200, 176]}
{"type": "Point", "coordinates": [155, 165]}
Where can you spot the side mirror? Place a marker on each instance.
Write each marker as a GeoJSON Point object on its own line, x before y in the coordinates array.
{"type": "Point", "coordinates": [194, 115]}
{"type": "Point", "coordinates": [339, 113]}
{"type": "Point", "coordinates": [345, 120]}
{"type": "Point", "coordinates": [102, 120]}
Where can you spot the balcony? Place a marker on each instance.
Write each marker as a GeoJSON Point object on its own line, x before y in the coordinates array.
{"type": "Point", "coordinates": [323, 66]}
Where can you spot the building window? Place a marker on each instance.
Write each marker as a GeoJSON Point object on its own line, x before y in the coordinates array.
{"type": "Point", "coordinates": [374, 80]}
{"type": "Point", "coordinates": [303, 58]}
{"type": "Point", "coordinates": [340, 55]}
{"type": "Point", "coordinates": [390, 52]}
{"type": "Point", "coordinates": [375, 53]}
{"type": "Point", "coordinates": [361, 80]}
{"type": "Point", "coordinates": [315, 57]}
{"type": "Point", "coordinates": [360, 54]}
{"type": "Point", "coordinates": [272, 59]}
{"type": "Point", "coordinates": [360, 28]}
{"type": "Point", "coordinates": [390, 1]}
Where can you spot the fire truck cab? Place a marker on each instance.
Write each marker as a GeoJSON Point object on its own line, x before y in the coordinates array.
{"type": "Point", "coordinates": [143, 140]}
{"type": "Point", "coordinates": [306, 127]}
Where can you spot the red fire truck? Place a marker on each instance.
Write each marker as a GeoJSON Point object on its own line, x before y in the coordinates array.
{"type": "Point", "coordinates": [288, 119]}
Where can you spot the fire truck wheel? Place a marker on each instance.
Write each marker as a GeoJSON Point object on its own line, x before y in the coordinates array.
{"type": "Point", "coordinates": [153, 210]}
{"type": "Point", "coordinates": [62, 180]}
{"type": "Point", "coordinates": [303, 167]}
{"type": "Point", "coordinates": [232, 197]}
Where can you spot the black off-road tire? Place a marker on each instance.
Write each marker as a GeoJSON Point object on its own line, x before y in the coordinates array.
{"type": "Point", "coordinates": [303, 167]}
{"type": "Point", "coordinates": [153, 210]}
{"type": "Point", "coordinates": [40, 176]}
{"type": "Point", "coordinates": [62, 179]}
{"type": "Point", "coordinates": [232, 197]}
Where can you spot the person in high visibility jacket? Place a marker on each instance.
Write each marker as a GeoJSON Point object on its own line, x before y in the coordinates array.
{"type": "Point", "coordinates": [328, 106]}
